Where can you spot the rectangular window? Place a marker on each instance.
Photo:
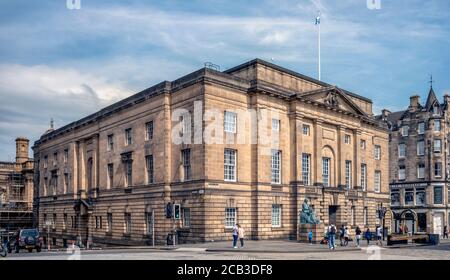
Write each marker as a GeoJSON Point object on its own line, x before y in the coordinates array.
{"type": "Point", "coordinates": [149, 223]}
{"type": "Point", "coordinates": [127, 223]}
{"type": "Point", "coordinates": [66, 183]}
{"type": "Point", "coordinates": [378, 152]}
{"type": "Point", "coordinates": [129, 167]}
{"type": "Point", "coordinates": [348, 174]}
{"type": "Point", "coordinates": [276, 125]}
{"type": "Point", "coordinates": [420, 197]}
{"type": "Point", "coordinates": [306, 129]}
{"type": "Point", "coordinates": [364, 177]}
{"type": "Point", "coordinates": [186, 158]}
{"type": "Point", "coordinates": [149, 166]}
{"type": "Point", "coordinates": [110, 176]}
{"type": "Point", "coordinates": [409, 197]}
{"type": "Point", "coordinates": [186, 217]}
{"type": "Point", "coordinates": [230, 121]}
{"type": "Point", "coordinates": [66, 155]}
{"type": "Point", "coordinates": [438, 170]}
{"type": "Point", "coordinates": [420, 148]}
{"type": "Point", "coordinates": [405, 131]}
{"type": "Point", "coordinates": [353, 215]}
{"type": "Point", "coordinates": [276, 167]}
{"type": "Point", "coordinates": [437, 125]}
{"type": "Point", "coordinates": [438, 195]}
{"type": "Point", "coordinates": [276, 215]}
{"type": "Point", "coordinates": [55, 159]}
{"type": "Point", "coordinates": [326, 171]}
{"type": "Point", "coordinates": [347, 139]}
{"type": "Point", "coordinates": [110, 145]}
{"type": "Point", "coordinates": [98, 222]}
{"type": "Point", "coordinates": [402, 173]}
{"type": "Point", "coordinates": [306, 169]}
{"type": "Point", "coordinates": [363, 144]}
{"type": "Point", "coordinates": [437, 146]}
{"type": "Point", "coordinates": [128, 136]}
{"type": "Point", "coordinates": [421, 128]}
{"type": "Point", "coordinates": [395, 198]}
{"type": "Point", "coordinates": [64, 221]}
{"type": "Point", "coordinates": [230, 217]}
{"type": "Point", "coordinates": [230, 165]}
{"type": "Point", "coordinates": [421, 171]}
{"type": "Point", "coordinates": [377, 181]}
{"type": "Point", "coordinates": [149, 131]}
{"type": "Point", "coordinates": [401, 150]}
{"type": "Point", "coordinates": [109, 222]}
{"type": "Point", "coordinates": [366, 216]}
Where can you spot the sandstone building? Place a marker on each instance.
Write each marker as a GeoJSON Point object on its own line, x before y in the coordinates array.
{"type": "Point", "coordinates": [419, 164]}
{"type": "Point", "coordinates": [108, 177]}
{"type": "Point", "coordinates": [16, 189]}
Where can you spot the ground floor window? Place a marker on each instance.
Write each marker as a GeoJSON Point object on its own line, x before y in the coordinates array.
{"type": "Point", "coordinates": [276, 215]}
{"type": "Point", "coordinates": [186, 217]}
{"type": "Point", "coordinates": [149, 222]}
{"type": "Point", "coordinates": [230, 217]}
{"type": "Point", "coordinates": [127, 217]}
{"type": "Point", "coordinates": [98, 222]}
{"type": "Point", "coordinates": [110, 221]}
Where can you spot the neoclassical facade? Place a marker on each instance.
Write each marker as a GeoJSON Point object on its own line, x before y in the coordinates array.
{"type": "Point", "coordinates": [419, 165]}
{"type": "Point", "coordinates": [245, 146]}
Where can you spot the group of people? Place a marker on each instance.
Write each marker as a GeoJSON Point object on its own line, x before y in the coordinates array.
{"type": "Point", "coordinates": [344, 236]}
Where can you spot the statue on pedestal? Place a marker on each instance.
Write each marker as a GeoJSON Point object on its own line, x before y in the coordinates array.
{"type": "Point", "coordinates": [307, 216]}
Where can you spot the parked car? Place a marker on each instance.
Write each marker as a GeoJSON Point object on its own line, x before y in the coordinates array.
{"type": "Point", "coordinates": [25, 239]}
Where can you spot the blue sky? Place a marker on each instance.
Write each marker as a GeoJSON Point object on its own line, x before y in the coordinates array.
{"type": "Point", "coordinates": [64, 64]}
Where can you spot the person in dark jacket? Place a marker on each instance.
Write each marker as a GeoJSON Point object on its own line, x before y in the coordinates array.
{"type": "Point", "coordinates": [342, 234]}
{"type": "Point", "coordinates": [368, 236]}
{"type": "Point", "coordinates": [445, 232]}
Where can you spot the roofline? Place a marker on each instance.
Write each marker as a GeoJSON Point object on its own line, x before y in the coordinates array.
{"type": "Point", "coordinates": [291, 72]}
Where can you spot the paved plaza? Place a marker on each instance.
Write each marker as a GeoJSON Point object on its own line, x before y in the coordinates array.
{"type": "Point", "coordinates": [255, 250]}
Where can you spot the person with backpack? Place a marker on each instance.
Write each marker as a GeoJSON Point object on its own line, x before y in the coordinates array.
{"type": "Point", "coordinates": [331, 236]}
{"type": "Point", "coordinates": [368, 236]}
{"type": "Point", "coordinates": [357, 236]}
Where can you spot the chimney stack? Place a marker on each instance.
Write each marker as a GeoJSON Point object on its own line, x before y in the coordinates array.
{"type": "Point", "coordinates": [22, 145]}
{"type": "Point", "coordinates": [385, 113]}
{"type": "Point", "coordinates": [414, 103]}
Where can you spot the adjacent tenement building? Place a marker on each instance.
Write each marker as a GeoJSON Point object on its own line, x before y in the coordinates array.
{"type": "Point", "coordinates": [245, 146]}
{"type": "Point", "coordinates": [419, 164]}
{"type": "Point", "coordinates": [16, 189]}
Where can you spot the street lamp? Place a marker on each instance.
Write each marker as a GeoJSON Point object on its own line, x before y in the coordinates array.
{"type": "Point", "coordinates": [381, 215]}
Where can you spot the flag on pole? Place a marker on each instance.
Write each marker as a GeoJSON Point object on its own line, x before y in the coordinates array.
{"type": "Point", "coordinates": [318, 20]}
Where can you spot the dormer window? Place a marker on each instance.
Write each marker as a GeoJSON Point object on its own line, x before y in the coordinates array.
{"type": "Point", "coordinates": [436, 109]}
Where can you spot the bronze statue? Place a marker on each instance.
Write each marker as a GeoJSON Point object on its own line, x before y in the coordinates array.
{"type": "Point", "coordinates": [307, 216]}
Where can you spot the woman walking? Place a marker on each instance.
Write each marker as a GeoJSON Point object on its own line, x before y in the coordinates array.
{"type": "Point", "coordinates": [241, 233]}
{"type": "Point", "coordinates": [357, 236]}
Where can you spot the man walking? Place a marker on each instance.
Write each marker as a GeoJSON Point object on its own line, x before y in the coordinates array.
{"type": "Point", "coordinates": [235, 235]}
{"type": "Point", "coordinates": [341, 235]}
{"type": "Point", "coordinates": [368, 236]}
{"type": "Point", "coordinates": [331, 236]}
{"type": "Point", "coordinates": [357, 236]}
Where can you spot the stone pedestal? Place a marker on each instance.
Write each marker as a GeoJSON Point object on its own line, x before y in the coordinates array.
{"type": "Point", "coordinates": [304, 229]}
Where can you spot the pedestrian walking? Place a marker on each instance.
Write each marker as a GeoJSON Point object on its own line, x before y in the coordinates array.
{"type": "Point", "coordinates": [235, 235]}
{"type": "Point", "coordinates": [379, 236]}
{"type": "Point", "coordinates": [445, 232]}
{"type": "Point", "coordinates": [331, 233]}
{"type": "Point", "coordinates": [368, 236]}
{"type": "Point", "coordinates": [357, 236]}
{"type": "Point", "coordinates": [241, 233]}
{"type": "Point", "coordinates": [346, 236]}
{"type": "Point", "coordinates": [310, 237]}
{"type": "Point", "coordinates": [341, 234]}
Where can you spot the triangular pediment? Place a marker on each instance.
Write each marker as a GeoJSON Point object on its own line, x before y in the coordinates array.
{"type": "Point", "coordinates": [333, 97]}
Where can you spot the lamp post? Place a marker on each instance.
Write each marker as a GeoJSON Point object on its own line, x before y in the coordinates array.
{"type": "Point", "coordinates": [381, 214]}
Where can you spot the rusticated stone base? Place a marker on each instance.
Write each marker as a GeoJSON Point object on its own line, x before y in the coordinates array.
{"type": "Point", "coordinates": [303, 231]}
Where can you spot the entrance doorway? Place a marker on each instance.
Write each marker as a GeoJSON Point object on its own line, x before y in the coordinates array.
{"type": "Point", "coordinates": [438, 221]}
{"type": "Point", "coordinates": [332, 214]}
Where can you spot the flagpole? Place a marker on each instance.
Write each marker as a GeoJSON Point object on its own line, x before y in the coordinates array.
{"type": "Point", "coordinates": [320, 70]}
